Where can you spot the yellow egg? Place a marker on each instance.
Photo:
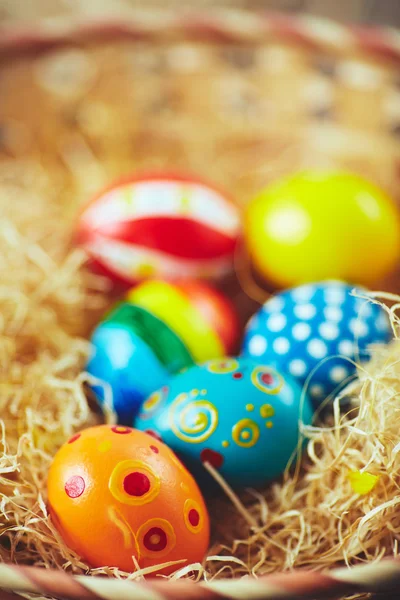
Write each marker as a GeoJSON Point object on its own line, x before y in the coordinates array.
{"type": "Point", "coordinates": [314, 226]}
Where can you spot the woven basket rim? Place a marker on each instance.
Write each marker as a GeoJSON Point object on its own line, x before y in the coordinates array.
{"type": "Point", "coordinates": [226, 25]}
{"type": "Point", "coordinates": [380, 577]}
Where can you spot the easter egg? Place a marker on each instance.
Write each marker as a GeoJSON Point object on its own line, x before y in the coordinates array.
{"type": "Point", "coordinates": [237, 415]}
{"type": "Point", "coordinates": [317, 330]}
{"type": "Point", "coordinates": [126, 367]}
{"type": "Point", "coordinates": [114, 493]}
{"type": "Point", "coordinates": [161, 329]}
{"type": "Point", "coordinates": [203, 317]}
{"type": "Point", "coordinates": [314, 226]}
{"type": "Point", "coordinates": [160, 225]}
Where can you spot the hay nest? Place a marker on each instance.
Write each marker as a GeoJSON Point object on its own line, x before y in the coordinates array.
{"type": "Point", "coordinates": [315, 517]}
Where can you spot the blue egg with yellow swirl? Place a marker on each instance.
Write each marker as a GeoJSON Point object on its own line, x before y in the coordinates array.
{"type": "Point", "coordinates": [239, 416]}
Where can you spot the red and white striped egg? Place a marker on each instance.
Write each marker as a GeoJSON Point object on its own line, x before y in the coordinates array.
{"type": "Point", "coordinates": [160, 225]}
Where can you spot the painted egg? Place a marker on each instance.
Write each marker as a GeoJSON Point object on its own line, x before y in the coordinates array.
{"type": "Point", "coordinates": [115, 493]}
{"type": "Point", "coordinates": [160, 225]}
{"type": "Point", "coordinates": [314, 226]}
{"type": "Point", "coordinates": [160, 330]}
{"type": "Point", "coordinates": [241, 417]}
{"type": "Point", "coordinates": [317, 330]}
{"type": "Point", "coordinates": [203, 318]}
{"type": "Point", "coordinates": [121, 357]}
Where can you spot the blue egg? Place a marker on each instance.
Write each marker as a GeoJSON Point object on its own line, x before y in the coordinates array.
{"type": "Point", "coordinates": [127, 365]}
{"type": "Point", "coordinates": [317, 326]}
{"type": "Point", "coordinates": [241, 417]}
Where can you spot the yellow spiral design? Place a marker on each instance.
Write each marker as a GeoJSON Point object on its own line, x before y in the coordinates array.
{"type": "Point", "coordinates": [268, 388]}
{"type": "Point", "coordinates": [192, 421]}
{"type": "Point", "coordinates": [246, 433]}
{"type": "Point", "coordinates": [220, 366]}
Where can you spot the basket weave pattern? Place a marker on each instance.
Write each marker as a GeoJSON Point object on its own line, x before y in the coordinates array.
{"type": "Point", "coordinates": [238, 88]}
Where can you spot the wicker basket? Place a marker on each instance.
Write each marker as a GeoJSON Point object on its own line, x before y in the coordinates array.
{"type": "Point", "coordinates": [238, 97]}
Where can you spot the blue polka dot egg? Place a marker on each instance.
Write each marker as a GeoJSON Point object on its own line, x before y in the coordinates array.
{"type": "Point", "coordinates": [317, 326]}
{"type": "Point", "coordinates": [239, 416]}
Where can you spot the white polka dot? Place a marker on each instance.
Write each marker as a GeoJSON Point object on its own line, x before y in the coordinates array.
{"type": "Point", "coordinates": [301, 331]}
{"type": "Point", "coordinates": [276, 322]}
{"type": "Point", "coordinates": [305, 311]}
{"type": "Point", "coordinates": [329, 331]}
{"type": "Point", "coordinates": [304, 293]}
{"type": "Point", "coordinates": [317, 349]}
{"type": "Point", "coordinates": [335, 295]}
{"type": "Point", "coordinates": [297, 367]}
{"type": "Point", "coordinates": [358, 328]}
{"type": "Point", "coordinates": [338, 374]}
{"type": "Point", "coordinates": [281, 345]}
{"type": "Point", "coordinates": [346, 348]}
{"type": "Point", "coordinates": [316, 390]}
{"type": "Point", "coordinates": [333, 313]}
{"type": "Point", "coordinates": [382, 323]}
{"type": "Point", "coordinates": [363, 308]}
{"type": "Point", "coordinates": [276, 304]}
{"type": "Point", "coordinates": [257, 345]}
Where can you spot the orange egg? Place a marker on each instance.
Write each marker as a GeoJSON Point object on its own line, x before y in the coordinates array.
{"type": "Point", "coordinates": [116, 492]}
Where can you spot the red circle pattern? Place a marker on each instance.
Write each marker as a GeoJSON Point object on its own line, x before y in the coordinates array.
{"type": "Point", "coordinates": [121, 430]}
{"type": "Point", "coordinates": [215, 458]}
{"type": "Point", "coordinates": [154, 434]}
{"type": "Point", "coordinates": [155, 539]}
{"type": "Point", "coordinates": [136, 484]}
{"type": "Point", "coordinates": [75, 486]}
{"type": "Point", "coordinates": [267, 378]}
{"type": "Point", "coordinates": [237, 376]}
{"type": "Point", "coordinates": [194, 517]}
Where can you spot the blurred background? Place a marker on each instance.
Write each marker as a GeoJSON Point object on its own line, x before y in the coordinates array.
{"type": "Point", "coordinates": [237, 98]}
{"type": "Point", "coordinates": [385, 12]}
